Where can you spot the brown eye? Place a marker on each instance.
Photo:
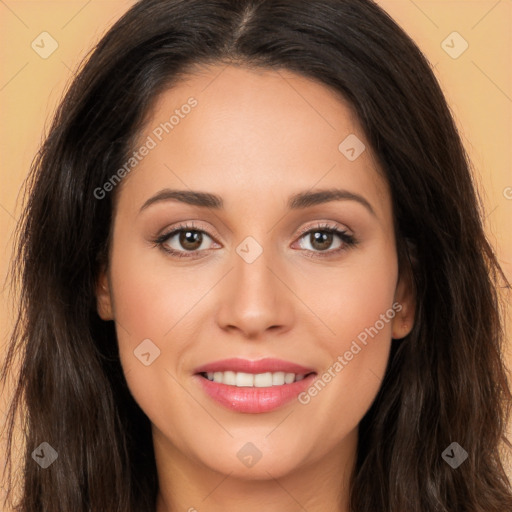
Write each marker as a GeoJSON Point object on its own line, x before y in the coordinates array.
{"type": "Point", "coordinates": [321, 240]}
{"type": "Point", "coordinates": [184, 241]}
{"type": "Point", "coordinates": [325, 240]}
{"type": "Point", "coordinates": [190, 240]}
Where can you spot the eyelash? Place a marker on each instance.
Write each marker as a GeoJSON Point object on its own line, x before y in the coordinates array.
{"type": "Point", "coordinates": [347, 240]}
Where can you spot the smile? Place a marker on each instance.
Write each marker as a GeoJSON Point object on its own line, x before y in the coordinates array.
{"type": "Point", "coordinates": [254, 393]}
{"type": "Point", "coordinates": [259, 380]}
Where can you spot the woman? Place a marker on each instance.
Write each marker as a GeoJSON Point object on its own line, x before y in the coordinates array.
{"type": "Point", "coordinates": [254, 275]}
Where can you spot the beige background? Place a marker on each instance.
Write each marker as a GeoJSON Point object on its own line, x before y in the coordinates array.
{"type": "Point", "coordinates": [477, 84]}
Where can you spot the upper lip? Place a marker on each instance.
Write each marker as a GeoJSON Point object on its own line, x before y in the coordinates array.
{"type": "Point", "coordinates": [268, 364]}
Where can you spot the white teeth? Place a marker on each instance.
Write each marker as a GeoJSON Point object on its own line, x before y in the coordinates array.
{"type": "Point", "coordinates": [242, 379]}
{"type": "Point", "coordinates": [263, 380]}
{"type": "Point", "coordinates": [259, 380]}
{"type": "Point", "coordinates": [289, 378]}
{"type": "Point", "coordinates": [278, 379]}
{"type": "Point", "coordinates": [229, 378]}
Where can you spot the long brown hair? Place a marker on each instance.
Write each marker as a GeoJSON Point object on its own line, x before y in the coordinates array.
{"type": "Point", "coordinates": [445, 382]}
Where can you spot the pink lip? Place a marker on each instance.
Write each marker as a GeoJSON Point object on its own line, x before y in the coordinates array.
{"type": "Point", "coordinates": [237, 364]}
{"type": "Point", "coordinates": [252, 399]}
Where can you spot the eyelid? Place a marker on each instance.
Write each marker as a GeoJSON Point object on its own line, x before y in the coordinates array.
{"type": "Point", "coordinates": [184, 226]}
{"type": "Point", "coordinates": [324, 225]}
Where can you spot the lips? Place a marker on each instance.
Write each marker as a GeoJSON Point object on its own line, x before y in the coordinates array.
{"type": "Point", "coordinates": [260, 366]}
{"type": "Point", "coordinates": [250, 388]}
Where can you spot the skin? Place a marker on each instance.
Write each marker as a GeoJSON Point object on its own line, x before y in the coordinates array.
{"type": "Point", "coordinates": [254, 138]}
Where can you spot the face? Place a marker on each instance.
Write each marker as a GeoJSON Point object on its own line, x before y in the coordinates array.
{"type": "Point", "coordinates": [296, 285]}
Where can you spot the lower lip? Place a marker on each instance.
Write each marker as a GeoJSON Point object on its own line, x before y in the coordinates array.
{"type": "Point", "coordinates": [252, 399]}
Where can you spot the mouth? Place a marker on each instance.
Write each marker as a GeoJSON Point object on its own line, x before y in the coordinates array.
{"type": "Point", "coordinates": [248, 386]}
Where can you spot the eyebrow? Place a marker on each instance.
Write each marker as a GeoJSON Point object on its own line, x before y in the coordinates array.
{"type": "Point", "coordinates": [297, 201]}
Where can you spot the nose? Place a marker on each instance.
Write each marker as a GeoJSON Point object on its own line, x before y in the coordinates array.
{"type": "Point", "coordinates": [255, 298]}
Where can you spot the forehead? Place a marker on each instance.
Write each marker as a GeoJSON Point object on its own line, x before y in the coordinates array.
{"type": "Point", "coordinates": [250, 132]}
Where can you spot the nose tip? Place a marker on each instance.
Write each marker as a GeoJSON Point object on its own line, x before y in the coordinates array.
{"type": "Point", "coordinates": [253, 301]}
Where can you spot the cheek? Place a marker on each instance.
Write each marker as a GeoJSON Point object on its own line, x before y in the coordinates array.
{"type": "Point", "coordinates": [148, 305]}
{"type": "Point", "coordinates": [153, 301]}
{"type": "Point", "coordinates": [357, 306]}
{"type": "Point", "coordinates": [150, 310]}
{"type": "Point", "coordinates": [350, 298]}
{"type": "Point", "coordinates": [150, 298]}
